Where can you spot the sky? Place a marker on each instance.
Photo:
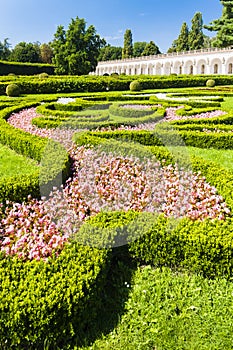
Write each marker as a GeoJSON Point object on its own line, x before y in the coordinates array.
{"type": "Point", "coordinates": [157, 20]}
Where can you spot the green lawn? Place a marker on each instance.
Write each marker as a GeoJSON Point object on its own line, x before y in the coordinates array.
{"type": "Point", "coordinates": [227, 104]}
{"type": "Point", "coordinates": [224, 158]}
{"type": "Point", "coordinates": [172, 311]}
{"type": "Point", "coordinates": [12, 164]}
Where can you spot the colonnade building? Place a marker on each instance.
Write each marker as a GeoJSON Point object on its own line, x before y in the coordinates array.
{"type": "Point", "coordinates": [205, 61]}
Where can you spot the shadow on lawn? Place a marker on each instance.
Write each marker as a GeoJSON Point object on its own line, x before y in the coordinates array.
{"type": "Point", "coordinates": [114, 296]}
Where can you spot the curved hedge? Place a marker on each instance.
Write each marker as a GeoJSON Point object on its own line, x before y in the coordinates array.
{"type": "Point", "coordinates": [55, 163]}
{"type": "Point", "coordinates": [51, 303]}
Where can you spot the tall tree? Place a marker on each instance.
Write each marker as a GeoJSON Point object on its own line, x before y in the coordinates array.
{"type": "Point", "coordinates": [5, 49]}
{"type": "Point", "coordinates": [196, 36]}
{"type": "Point", "coordinates": [223, 26]}
{"type": "Point", "coordinates": [76, 50]}
{"type": "Point", "coordinates": [26, 52]}
{"type": "Point", "coordinates": [46, 53]}
{"type": "Point", "coordinates": [59, 55]}
{"type": "Point", "coordinates": [108, 53]}
{"type": "Point", "coordinates": [127, 50]}
{"type": "Point", "coordinates": [151, 49]}
{"type": "Point", "coordinates": [173, 48]}
{"type": "Point", "coordinates": [138, 48]}
{"type": "Point", "coordinates": [182, 43]}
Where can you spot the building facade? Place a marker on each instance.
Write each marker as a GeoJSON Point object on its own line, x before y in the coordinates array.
{"type": "Point", "coordinates": [204, 61]}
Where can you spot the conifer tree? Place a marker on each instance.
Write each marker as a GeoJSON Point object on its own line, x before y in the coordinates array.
{"type": "Point", "coordinates": [196, 36]}
{"type": "Point", "coordinates": [127, 50]}
{"type": "Point", "coordinates": [182, 43]}
{"type": "Point", "coordinates": [223, 26]}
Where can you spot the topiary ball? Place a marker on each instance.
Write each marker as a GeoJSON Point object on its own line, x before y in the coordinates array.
{"type": "Point", "coordinates": [43, 75]}
{"type": "Point", "coordinates": [12, 90]}
{"type": "Point", "coordinates": [210, 83]}
{"type": "Point", "coordinates": [135, 86]}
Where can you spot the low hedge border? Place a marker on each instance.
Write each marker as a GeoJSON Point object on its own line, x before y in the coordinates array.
{"type": "Point", "coordinates": [51, 303]}
{"type": "Point", "coordinates": [55, 163]}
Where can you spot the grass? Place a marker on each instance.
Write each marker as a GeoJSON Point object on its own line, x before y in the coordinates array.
{"type": "Point", "coordinates": [224, 158]}
{"type": "Point", "coordinates": [168, 310]}
{"type": "Point", "coordinates": [12, 164]}
{"type": "Point", "coordinates": [227, 104]}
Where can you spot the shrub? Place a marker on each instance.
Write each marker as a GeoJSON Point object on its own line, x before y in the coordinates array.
{"type": "Point", "coordinates": [43, 75]}
{"type": "Point", "coordinates": [52, 302]}
{"type": "Point", "coordinates": [135, 86]}
{"type": "Point", "coordinates": [12, 90]}
{"type": "Point", "coordinates": [210, 83]}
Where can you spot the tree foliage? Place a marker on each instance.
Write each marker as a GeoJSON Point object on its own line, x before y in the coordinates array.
{"type": "Point", "coordinates": [76, 50]}
{"type": "Point", "coordinates": [182, 43]}
{"type": "Point", "coordinates": [4, 49]}
{"type": "Point", "coordinates": [192, 39]}
{"type": "Point", "coordinates": [108, 53]}
{"type": "Point", "coordinates": [151, 49]}
{"type": "Point", "coordinates": [127, 50]}
{"type": "Point", "coordinates": [138, 48]}
{"type": "Point", "coordinates": [46, 53]}
{"type": "Point", "coordinates": [223, 26]}
{"type": "Point", "coordinates": [196, 36]}
{"type": "Point", "coordinates": [26, 52]}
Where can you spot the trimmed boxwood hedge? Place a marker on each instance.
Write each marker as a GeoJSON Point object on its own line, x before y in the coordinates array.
{"type": "Point", "coordinates": [51, 303]}
{"type": "Point", "coordinates": [20, 68]}
{"type": "Point", "coordinates": [55, 166]}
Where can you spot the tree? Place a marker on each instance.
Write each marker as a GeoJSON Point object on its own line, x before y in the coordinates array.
{"type": "Point", "coordinates": [182, 43]}
{"type": "Point", "coordinates": [138, 48]}
{"type": "Point", "coordinates": [151, 49]}
{"type": "Point", "coordinates": [108, 53]}
{"type": "Point", "coordinates": [76, 50]}
{"type": "Point", "coordinates": [173, 48]}
{"type": "Point", "coordinates": [127, 50]}
{"type": "Point", "coordinates": [4, 49]}
{"type": "Point", "coordinates": [59, 55]}
{"type": "Point", "coordinates": [196, 36]}
{"type": "Point", "coordinates": [46, 53]}
{"type": "Point", "coordinates": [26, 52]}
{"type": "Point", "coordinates": [223, 26]}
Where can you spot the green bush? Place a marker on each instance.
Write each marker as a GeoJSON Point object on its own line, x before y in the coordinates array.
{"type": "Point", "coordinates": [202, 247]}
{"type": "Point", "coordinates": [51, 303]}
{"type": "Point", "coordinates": [210, 83]}
{"type": "Point", "coordinates": [12, 90]}
{"type": "Point", "coordinates": [43, 75]}
{"type": "Point", "coordinates": [135, 86]}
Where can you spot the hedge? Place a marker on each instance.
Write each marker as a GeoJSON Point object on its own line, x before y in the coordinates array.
{"type": "Point", "coordinates": [18, 188]}
{"type": "Point", "coordinates": [69, 84]}
{"type": "Point", "coordinates": [202, 247]}
{"type": "Point", "coordinates": [51, 304]}
{"type": "Point", "coordinates": [19, 68]}
{"type": "Point", "coordinates": [54, 159]}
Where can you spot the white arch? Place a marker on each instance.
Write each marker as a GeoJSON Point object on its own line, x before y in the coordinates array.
{"type": "Point", "coordinates": [201, 66]}
{"type": "Point", "coordinates": [216, 66]}
{"type": "Point", "coordinates": [167, 68]}
{"type": "Point", "coordinates": [158, 69]}
{"type": "Point", "coordinates": [229, 66]}
{"type": "Point", "coordinates": [177, 67]}
{"type": "Point", "coordinates": [189, 67]}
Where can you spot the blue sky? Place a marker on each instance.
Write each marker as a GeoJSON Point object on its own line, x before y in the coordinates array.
{"type": "Point", "coordinates": [157, 20]}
